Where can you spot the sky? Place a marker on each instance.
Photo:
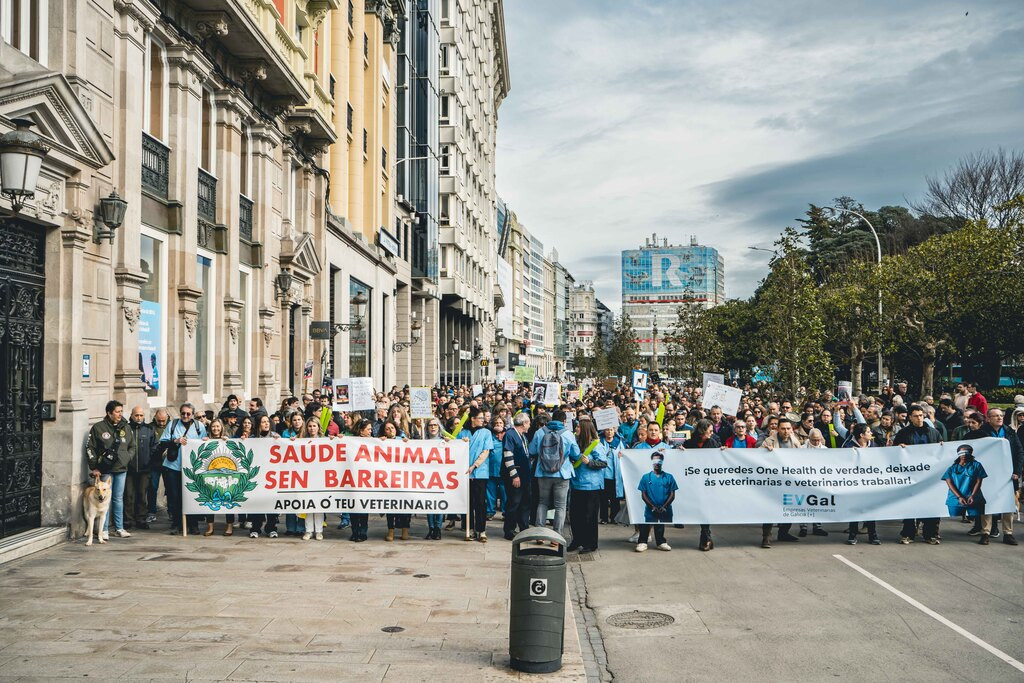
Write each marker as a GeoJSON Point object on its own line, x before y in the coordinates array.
{"type": "Point", "coordinates": [724, 120]}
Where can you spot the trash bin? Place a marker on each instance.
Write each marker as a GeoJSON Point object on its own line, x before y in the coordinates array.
{"type": "Point", "coordinates": [537, 601]}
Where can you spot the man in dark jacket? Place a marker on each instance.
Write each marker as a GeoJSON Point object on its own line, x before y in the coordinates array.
{"type": "Point", "coordinates": [517, 476]}
{"type": "Point", "coordinates": [109, 449]}
{"type": "Point", "coordinates": [994, 427]}
{"type": "Point", "coordinates": [949, 414]}
{"type": "Point", "coordinates": [914, 434]}
{"type": "Point", "coordinates": [137, 481]}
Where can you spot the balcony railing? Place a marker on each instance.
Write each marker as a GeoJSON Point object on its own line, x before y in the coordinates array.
{"type": "Point", "coordinates": [155, 157]}
{"type": "Point", "coordinates": [245, 218]}
{"type": "Point", "coordinates": [207, 205]}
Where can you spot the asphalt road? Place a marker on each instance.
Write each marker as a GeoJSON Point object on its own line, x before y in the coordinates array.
{"type": "Point", "coordinates": [798, 613]}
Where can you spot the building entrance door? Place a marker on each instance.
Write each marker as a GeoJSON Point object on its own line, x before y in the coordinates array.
{"type": "Point", "coordinates": [22, 279]}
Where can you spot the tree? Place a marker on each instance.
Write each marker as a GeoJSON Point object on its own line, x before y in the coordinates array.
{"type": "Point", "coordinates": [976, 187]}
{"type": "Point", "coordinates": [792, 334]}
{"type": "Point", "coordinates": [694, 346]}
{"type": "Point", "coordinates": [736, 326]}
{"type": "Point", "coordinates": [849, 302]}
{"type": "Point", "coordinates": [624, 354]}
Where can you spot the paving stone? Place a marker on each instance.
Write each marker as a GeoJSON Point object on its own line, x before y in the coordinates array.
{"type": "Point", "coordinates": [182, 668]}
{"type": "Point", "coordinates": [263, 670]}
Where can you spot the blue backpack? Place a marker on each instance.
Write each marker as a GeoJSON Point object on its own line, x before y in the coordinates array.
{"type": "Point", "coordinates": [552, 452]}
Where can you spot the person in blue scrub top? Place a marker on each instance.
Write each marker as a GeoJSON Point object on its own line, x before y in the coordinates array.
{"type": "Point", "coordinates": [658, 490]}
{"type": "Point", "coordinates": [481, 444]}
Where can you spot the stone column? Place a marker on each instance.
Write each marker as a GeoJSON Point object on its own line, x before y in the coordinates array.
{"type": "Point", "coordinates": [267, 231]}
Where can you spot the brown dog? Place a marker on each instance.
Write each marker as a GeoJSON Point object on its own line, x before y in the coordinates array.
{"type": "Point", "coordinates": [95, 501]}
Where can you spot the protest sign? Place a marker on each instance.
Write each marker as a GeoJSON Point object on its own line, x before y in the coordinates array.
{"type": "Point", "coordinates": [525, 373]}
{"type": "Point", "coordinates": [419, 403]}
{"type": "Point", "coordinates": [553, 394]}
{"type": "Point", "coordinates": [346, 474]}
{"type": "Point", "coordinates": [746, 486]}
{"type": "Point", "coordinates": [726, 398]}
{"type": "Point", "coordinates": [477, 390]}
{"type": "Point", "coordinates": [640, 380]}
{"type": "Point", "coordinates": [606, 418]}
{"type": "Point", "coordinates": [353, 393]}
{"type": "Point", "coordinates": [844, 391]}
{"type": "Point", "coordinates": [712, 377]}
{"type": "Point", "coordinates": [610, 384]}
{"type": "Point", "coordinates": [511, 385]}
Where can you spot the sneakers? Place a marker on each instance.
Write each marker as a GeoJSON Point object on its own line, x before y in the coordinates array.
{"type": "Point", "coordinates": [482, 537]}
{"type": "Point", "coordinates": [319, 535]}
{"type": "Point", "coordinates": [983, 540]}
{"type": "Point", "coordinates": [641, 547]}
{"type": "Point", "coordinates": [874, 539]}
{"type": "Point", "coordinates": [818, 531]}
{"type": "Point", "coordinates": [906, 540]}
{"type": "Point", "coordinates": [635, 538]}
{"type": "Point", "coordinates": [254, 534]}
{"type": "Point", "coordinates": [974, 531]}
{"type": "Point", "coordinates": [852, 539]}
{"type": "Point", "coordinates": [306, 536]}
{"type": "Point", "coordinates": [803, 531]}
{"type": "Point", "coordinates": [1008, 539]}
{"type": "Point", "coordinates": [788, 538]}
{"type": "Point", "coordinates": [995, 532]}
{"type": "Point", "coordinates": [121, 533]}
{"type": "Point", "coordinates": [934, 540]}
{"type": "Point", "coordinates": [272, 534]}
{"type": "Point", "coordinates": [664, 546]}
{"type": "Point", "coordinates": [766, 541]}
{"type": "Point", "coordinates": [150, 518]}
{"type": "Point", "coordinates": [248, 525]}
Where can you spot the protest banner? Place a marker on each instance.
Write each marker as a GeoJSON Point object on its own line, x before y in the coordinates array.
{"type": "Point", "coordinates": [345, 474]}
{"type": "Point", "coordinates": [610, 384]}
{"type": "Point", "coordinates": [353, 393]}
{"type": "Point", "coordinates": [711, 377]}
{"type": "Point", "coordinates": [477, 390]}
{"type": "Point", "coordinates": [747, 486]}
{"type": "Point", "coordinates": [725, 397]}
{"type": "Point", "coordinates": [525, 373]}
{"type": "Point", "coordinates": [419, 403]}
{"type": "Point", "coordinates": [640, 380]}
{"type": "Point", "coordinates": [552, 394]}
{"type": "Point", "coordinates": [511, 385]}
{"type": "Point", "coordinates": [844, 391]}
{"type": "Point", "coordinates": [606, 418]}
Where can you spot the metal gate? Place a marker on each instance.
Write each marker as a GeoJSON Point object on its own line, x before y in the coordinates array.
{"type": "Point", "coordinates": [22, 279]}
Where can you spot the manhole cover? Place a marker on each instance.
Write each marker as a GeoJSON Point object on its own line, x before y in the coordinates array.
{"type": "Point", "coordinates": [392, 629]}
{"type": "Point", "coordinates": [420, 576]}
{"type": "Point", "coordinates": [640, 620]}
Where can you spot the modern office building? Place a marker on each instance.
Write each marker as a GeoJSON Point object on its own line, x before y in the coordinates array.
{"type": "Point", "coordinates": [658, 277]}
{"type": "Point", "coordinates": [474, 80]}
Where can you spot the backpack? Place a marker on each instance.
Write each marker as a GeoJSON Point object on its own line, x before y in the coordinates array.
{"type": "Point", "coordinates": [552, 454]}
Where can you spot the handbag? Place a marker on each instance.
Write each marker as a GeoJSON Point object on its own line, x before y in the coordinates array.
{"type": "Point", "coordinates": [173, 448]}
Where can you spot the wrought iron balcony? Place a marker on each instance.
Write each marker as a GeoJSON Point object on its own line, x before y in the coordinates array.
{"type": "Point", "coordinates": [245, 218]}
{"type": "Point", "coordinates": [155, 157]}
{"type": "Point", "coordinates": [207, 206]}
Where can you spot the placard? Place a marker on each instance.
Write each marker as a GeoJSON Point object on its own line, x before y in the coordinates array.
{"type": "Point", "coordinates": [606, 418]}
{"type": "Point", "coordinates": [353, 393]}
{"type": "Point", "coordinates": [725, 397]}
{"type": "Point", "coordinates": [640, 380]}
{"type": "Point", "coordinates": [477, 390]}
{"type": "Point", "coordinates": [525, 373]}
{"type": "Point", "coordinates": [511, 385]}
{"type": "Point", "coordinates": [844, 391]}
{"type": "Point", "coordinates": [419, 403]}
{"type": "Point", "coordinates": [711, 377]}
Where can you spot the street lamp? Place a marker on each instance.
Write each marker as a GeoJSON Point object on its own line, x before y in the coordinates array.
{"type": "Point", "coordinates": [654, 346]}
{"type": "Point", "coordinates": [111, 214]}
{"type": "Point", "coordinates": [359, 301]}
{"type": "Point", "coordinates": [416, 328]}
{"type": "Point", "coordinates": [21, 158]}
{"type": "Point", "coordinates": [878, 245]}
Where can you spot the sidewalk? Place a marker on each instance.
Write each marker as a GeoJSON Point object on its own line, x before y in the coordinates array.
{"type": "Point", "coordinates": [164, 607]}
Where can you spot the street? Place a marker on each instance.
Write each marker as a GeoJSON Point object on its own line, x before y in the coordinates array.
{"type": "Point", "coordinates": [798, 613]}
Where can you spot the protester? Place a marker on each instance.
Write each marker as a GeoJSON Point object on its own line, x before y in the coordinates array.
{"type": "Point", "coordinates": [917, 433]}
{"type": "Point", "coordinates": [109, 449]}
{"type": "Point", "coordinates": [587, 486]}
{"type": "Point", "coordinates": [555, 451]}
{"type": "Point", "coordinates": [137, 477]}
{"type": "Point", "coordinates": [517, 476]}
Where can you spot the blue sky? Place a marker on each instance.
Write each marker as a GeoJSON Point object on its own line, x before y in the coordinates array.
{"type": "Point", "coordinates": [724, 120]}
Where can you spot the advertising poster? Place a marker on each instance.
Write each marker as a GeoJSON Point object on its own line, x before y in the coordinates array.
{"type": "Point", "coordinates": [149, 345]}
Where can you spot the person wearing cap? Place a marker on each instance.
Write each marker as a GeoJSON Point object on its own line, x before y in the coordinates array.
{"type": "Point", "coordinates": [658, 490]}
{"type": "Point", "coordinates": [963, 478]}
{"type": "Point", "coordinates": [914, 434]}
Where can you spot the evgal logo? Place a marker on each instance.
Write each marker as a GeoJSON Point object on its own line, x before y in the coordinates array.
{"type": "Point", "coordinates": [811, 500]}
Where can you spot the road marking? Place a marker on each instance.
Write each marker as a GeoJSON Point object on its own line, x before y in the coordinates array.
{"type": "Point", "coordinates": [935, 615]}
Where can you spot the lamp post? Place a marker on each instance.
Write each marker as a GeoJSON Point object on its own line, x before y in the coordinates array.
{"type": "Point", "coordinates": [21, 158]}
{"type": "Point", "coordinates": [878, 245]}
{"type": "Point", "coordinates": [416, 328]}
{"type": "Point", "coordinates": [359, 301]}
{"type": "Point", "coordinates": [654, 345]}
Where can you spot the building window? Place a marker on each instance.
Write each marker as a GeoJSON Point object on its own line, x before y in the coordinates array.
{"type": "Point", "coordinates": [366, 142]}
{"type": "Point", "coordinates": [204, 324]}
{"type": "Point", "coordinates": [245, 164]}
{"type": "Point", "coordinates": [366, 47]}
{"type": "Point", "coordinates": [244, 327]}
{"type": "Point", "coordinates": [348, 117]}
{"type": "Point", "coordinates": [359, 340]}
{"type": "Point", "coordinates": [445, 213]}
{"type": "Point", "coordinates": [155, 93]}
{"type": "Point", "coordinates": [445, 159]}
{"type": "Point", "coordinates": [333, 285]}
{"type": "Point", "coordinates": [24, 24]}
{"type": "Point", "coordinates": [384, 159]}
{"type": "Point", "coordinates": [446, 12]}
{"type": "Point", "coordinates": [151, 319]}
{"type": "Point", "coordinates": [445, 108]}
{"type": "Point", "coordinates": [207, 138]}
{"type": "Point", "coordinates": [444, 60]}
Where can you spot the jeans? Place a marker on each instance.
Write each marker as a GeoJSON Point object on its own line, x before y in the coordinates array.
{"type": "Point", "coordinates": [154, 487]}
{"type": "Point", "coordinates": [435, 521]}
{"type": "Point", "coordinates": [659, 533]}
{"type": "Point", "coordinates": [495, 495]}
{"type": "Point", "coordinates": [135, 488]}
{"type": "Point", "coordinates": [930, 528]}
{"type": "Point", "coordinates": [360, 523]}
{"type": "Point", "coordinates": [478, 504]}
{"type": "Point", "coordinates": [294, 525]}
{"type": "Point", "coordinates": [583, 517]}
{"type": "Point", "coordinates": [552, 493]}
{"type": "Point", "coordinates": [517, 505]}
{"type": "Point", "coordinates": [116, 500]}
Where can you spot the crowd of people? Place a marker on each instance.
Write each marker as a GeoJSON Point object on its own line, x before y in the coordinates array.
{"type": "Point", "coordinates": [538, 464]}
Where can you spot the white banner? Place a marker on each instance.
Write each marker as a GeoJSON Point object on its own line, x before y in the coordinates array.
{"type": "Point", "coordinates": [749, 486]}
{"type": "Point", "coordinates": [353, 393]}
{"type": "Point", "coordinates": [344, 474]}
{"type": "Point", "coordinates": [711, 377]}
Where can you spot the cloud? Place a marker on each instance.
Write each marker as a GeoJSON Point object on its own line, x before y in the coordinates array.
{"type": "Point", "coordinates": [724, 120]}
